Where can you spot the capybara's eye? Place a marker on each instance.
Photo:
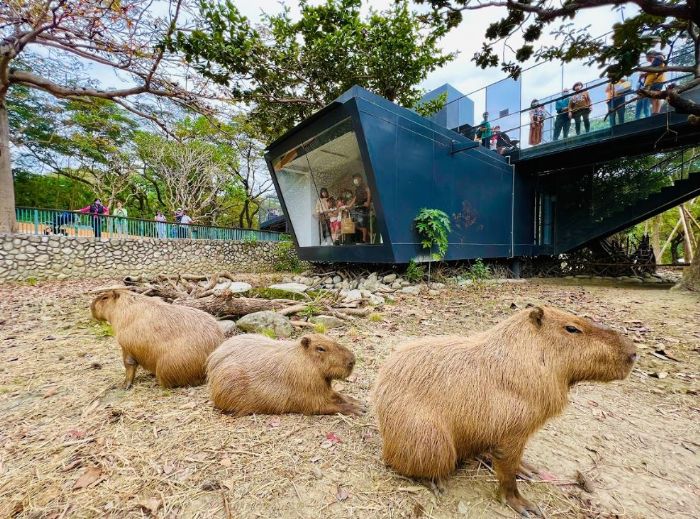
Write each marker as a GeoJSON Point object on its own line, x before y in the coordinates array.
{"type": "Point", "coordinates": [320, 349]}
{"type": "Point", "coordinates": [572, 329]}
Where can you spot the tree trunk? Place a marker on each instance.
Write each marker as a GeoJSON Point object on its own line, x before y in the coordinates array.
{"type": "Point", "coordinates": [691, 275]}
{"type": "Point", "coordinates": [232, 306]}
{"type": "Point", "coordinates": [8, 222]}
{"type": "Point", "coordinates": [686, 236]}
{"type": "Point", "coordinates": [656, 237]}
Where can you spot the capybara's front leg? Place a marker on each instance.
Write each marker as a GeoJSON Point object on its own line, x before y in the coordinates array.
{"type": "Point", "coordinates": [350, 401]}
{"type": "Point", "coordinates": [130, 365]}
{"type": "Point", "coordinates": [506, 462]}
{"type": "Point", "coordinates": [332, 407]}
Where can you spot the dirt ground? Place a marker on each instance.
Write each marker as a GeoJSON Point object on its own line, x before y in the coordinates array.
{"type": "Point", "coordinates": [73, 444]}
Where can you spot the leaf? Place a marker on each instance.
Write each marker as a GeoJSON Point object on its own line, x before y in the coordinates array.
{"type": "Point", "coordinates": [76, 434]}
{"type": "Point", "coordinates": [274, 422]}
{"type": "Point", "coordinates": [342, 494]}
{"type": "Point", "coordinates": [333, 438]}
{"type": "Point", "coordinates": [51, 392]}
{"type": "Point", "coordinates": [88, 477]}
{"type": "Point", "coordinates": [226, 462]}
{"type": "Point", "coordinates": [152, 504]}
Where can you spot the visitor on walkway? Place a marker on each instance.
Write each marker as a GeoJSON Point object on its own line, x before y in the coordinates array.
{"type": "Point", "coordinates": [616, 94]}
{"type": "Point", "coordinates": [580, 107]}
{"type": "Point", "coordinates": [563, 121]}
{"type": "Point", "coordinates": [185, 222]}
{"type": "Point", "coordinates": [537, 116]}
{"type": "Point", "coordinates": [360, 204]}
{"type": "Point", "coordinates": [120, 222]}
{"type": "Point", "coordinates": [483, 132]}
{"type": "Point", "coordinates": [98, 211]}
{"type": "Point", "coordinates": [655, 80]}
{"type": "Point", "coordinates": [642, 108]}
{"type": "Point", "coordinates": [321, 213]}
{"type": "Point", "coordinates": [161, 225]}
{"type": "Point", "coordinates": [176, 231]}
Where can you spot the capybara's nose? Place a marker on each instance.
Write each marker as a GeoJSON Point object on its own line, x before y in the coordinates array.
{"type": "Point", "coordinates": [351, 364]}
{"type": "Point", "coordinates": [633, 357]}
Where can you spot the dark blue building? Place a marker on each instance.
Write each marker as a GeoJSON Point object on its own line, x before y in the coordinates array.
{"type": "Point", "coordinates": [379, 164]}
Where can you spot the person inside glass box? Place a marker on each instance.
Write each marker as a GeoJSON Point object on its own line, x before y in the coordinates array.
{"type": "Point", "coordinates": [360, 203]}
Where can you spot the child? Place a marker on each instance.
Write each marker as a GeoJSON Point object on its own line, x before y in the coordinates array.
{"type": "Point", "coordinates": [336, 215]}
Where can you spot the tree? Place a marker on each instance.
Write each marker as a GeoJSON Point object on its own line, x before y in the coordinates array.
{"type": "Point", "coordinates": [667, 23]}
{"type": "Point", "coordinates": [122, 36]}
{"type": "Point", "coordinates": [287, 69]}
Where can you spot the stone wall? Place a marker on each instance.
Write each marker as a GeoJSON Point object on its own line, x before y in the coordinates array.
{"type": "Point", "coordinates": [58, 257]}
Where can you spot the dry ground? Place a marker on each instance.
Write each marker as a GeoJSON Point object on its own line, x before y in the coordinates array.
{"type": "Point", "coordinates": [72, 444]}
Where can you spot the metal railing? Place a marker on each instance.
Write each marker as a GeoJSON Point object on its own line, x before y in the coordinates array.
{"type": "Point", "coordinates": [32, 220]}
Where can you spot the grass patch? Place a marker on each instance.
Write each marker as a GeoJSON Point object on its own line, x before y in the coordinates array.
{"type": "Point", "coordinates": [285, 258]}
{"type": "Point", "coordinates": [376, 317]}
{"type": "Point", "coordinates": [31, 281]}
{"type": "Point", "coordinates": [320, 328]}
{"type": "Point", "coordinates": [275, 293]}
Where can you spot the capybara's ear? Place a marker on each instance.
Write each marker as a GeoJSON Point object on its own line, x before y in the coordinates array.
{"type": "Point", "coordinates": [306, 341]}
{"type": "Point", "coordinates": [536, 315]}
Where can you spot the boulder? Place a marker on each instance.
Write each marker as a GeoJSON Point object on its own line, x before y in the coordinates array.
{"type": "Point", "coordinates": [413, 290]}
{"type": "Point", "coordinates": [353, 295]}
{"type": "Point", "coordinates": [390, 278]}
{"type": "Point", "coordinates": [257, 322]}
{"type": "Point", "coordinates": [376, 300]}
{"type": "Point", "coordinates": [236, 287]}
{"type": "Point", "coordinates": [228, 327]}
{"type": "Point", "coordinates": [328, 321]}
{"type": "Point", "coordinates": [299, 288]}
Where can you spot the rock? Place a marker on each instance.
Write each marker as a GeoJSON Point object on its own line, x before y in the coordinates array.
{"type": "Point", "coordinates": [353, 295]}
{"type": "Point", "coordinates": [390, 278]}
{"type": "Point", "coordinates": [413, 290]}
{"type": "Point", "coordinates": [375, 300]}
{"type": "Point", "coordinates": [328, 281]}
{"type": "Point", "coordinates": [433, 292]}
{"type": "Point", "coordinates": [437, 286]}
{"type": "Point", "coordinates": [299, 288]}
{"type": "Point", "coordinates": [257, 322]}
{"type": "Point", "coordinates": [396, 285]}
{"type": "Point", "coordinates": [405, 283]}
{"type": "Point", "coordinates": [328, 321]}
{"type": "Point", "coordinates": [228, 327]}
{"type": "Point", "coordinates": [238, 287]}
{"type": "Point", "coordinates": [365, 293]}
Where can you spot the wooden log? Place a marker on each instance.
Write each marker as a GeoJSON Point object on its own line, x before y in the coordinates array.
{"type": "Point", "coordinates": [233, 306]}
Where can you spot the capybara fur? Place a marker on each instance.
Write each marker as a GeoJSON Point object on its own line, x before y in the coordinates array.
{"type": "Point", "coordinates": [253, 374]}
{"type": "Point", "coordinates": [440, 400]}
{"type": "Point", "coordinates": [171, 341]}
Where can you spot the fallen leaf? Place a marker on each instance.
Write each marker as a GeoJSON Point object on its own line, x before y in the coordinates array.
{"type": "Point", "coordinates": [274, 422]}
{"type": "Point", "coordinates": [168, 469]}
{"type": "Point", "coordinates": [90, 475]}
{"type": "Point", "coordinates": [226, 462]}
{"type": "Point", "coordinates": [333, 438]}
{"type": "Point", "coordinates": [342, 494]}
{"type": "Point", "coordinates": [228, 483]}
{"type": "Point", "coordinates": [51, 392]}
{"type": "Point", "coordinates": [152, 504]}
{"type": "Point", "coordinates": [318, 474]}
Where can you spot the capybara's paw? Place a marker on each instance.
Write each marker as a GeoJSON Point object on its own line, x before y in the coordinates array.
{"type": "Point", "coordinates": [523, 506]}
{"type": "Point", "coordinates": [527, 471]}
{"type": "Point", "coordinates": [351, 409]}
{"type": "Point", "coordinates": [438, 487]}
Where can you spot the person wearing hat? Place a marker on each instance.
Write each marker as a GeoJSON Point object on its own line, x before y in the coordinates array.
{"type": "Point", "coordinates": [580, 107]}
{"type": "Point", "coordinates": [655, 80]}
{"type": "Point", "coordinates": [563, 119]}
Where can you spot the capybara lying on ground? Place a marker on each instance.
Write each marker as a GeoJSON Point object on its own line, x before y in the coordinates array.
{"type": "Point", "coordinates": [444, 399]}
{"type": "Point", "coordinates": [171, 341]}
{"type": "Point", "coordinates": [252, 374]}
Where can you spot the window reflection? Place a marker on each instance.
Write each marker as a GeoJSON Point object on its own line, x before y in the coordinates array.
{"type": "Point", "coordinates": [324, 187]}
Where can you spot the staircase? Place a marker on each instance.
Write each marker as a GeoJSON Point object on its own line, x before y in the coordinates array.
{"type": "Point", "coordinates": [628, 201]}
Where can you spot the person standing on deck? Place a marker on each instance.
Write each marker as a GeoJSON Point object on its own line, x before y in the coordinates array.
{"type": "Point", "coordinates": [562, 123]}
{"type": "Point", "coordinates": [580, 107]}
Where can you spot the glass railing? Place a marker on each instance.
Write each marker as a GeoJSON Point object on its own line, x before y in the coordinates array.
{"type": "Point", "coordinates": [509, 104]}
{"type": "Point", "coordinates": [32, 220]}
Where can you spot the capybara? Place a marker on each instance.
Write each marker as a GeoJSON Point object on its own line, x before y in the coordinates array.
{"type": "Point", "coordinates": [441, 400]}
{"type": "Point", "coordinates": [253, 374]}
{"type": "Point", "coordinates": [171, 341]}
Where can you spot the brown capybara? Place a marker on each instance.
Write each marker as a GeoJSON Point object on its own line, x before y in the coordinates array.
{"type": "Point", "coordinates": [253, 374]}
{"type": "Point", "coordinates": [441, 400]}
{"type": "Point", "coordinates": [171, 341]}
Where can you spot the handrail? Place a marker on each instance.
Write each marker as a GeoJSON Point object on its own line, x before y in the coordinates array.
{"type": "Point", "coordinates": [34, 220]}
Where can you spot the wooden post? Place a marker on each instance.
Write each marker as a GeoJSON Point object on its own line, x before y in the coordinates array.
{"type": "Point", "coordinates": [686, 238]}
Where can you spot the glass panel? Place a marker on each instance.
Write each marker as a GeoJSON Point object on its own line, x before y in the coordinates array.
{"type": "Point", "coordinates": [324, 186]}
{"type": "Point", "coordinates": [503, 106]}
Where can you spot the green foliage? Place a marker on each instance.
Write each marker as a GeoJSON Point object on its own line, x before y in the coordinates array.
{"type": "Point", "coordinates": [250, 239]}
{"type": "Point", "coordinates": [312, 308]}
{"type": "Point", "coordinates": [275, 293]}
{"type": "Point", "coordinates": [665, 24]}
{"type": "Point", "coordinates": [31, 281]}
{"type": "Point", "coordinates": [414, 272]}
{"type": "Point", "coordinates": [478, 271]}
{"type": "Point", "coordinates": [103, 329]}
{"type": "Point", "coordinates": [269, 332]}
{"type": "Point", "coordinates": [320, 328]}
{"type": "Point", "coordinates": [286, 259]}
{"type": "Point", "coordinates": [433, 228]}
{"type": "Point", "coordinates": [428, 108]}
{"type": "Point", "coordinates": [290, 67]}
{"type": "Point", "coordinates": [376, 317]}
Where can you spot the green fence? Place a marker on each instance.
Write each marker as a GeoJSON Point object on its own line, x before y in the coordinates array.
{"type": "Point", "coordinates": [32, 220]}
